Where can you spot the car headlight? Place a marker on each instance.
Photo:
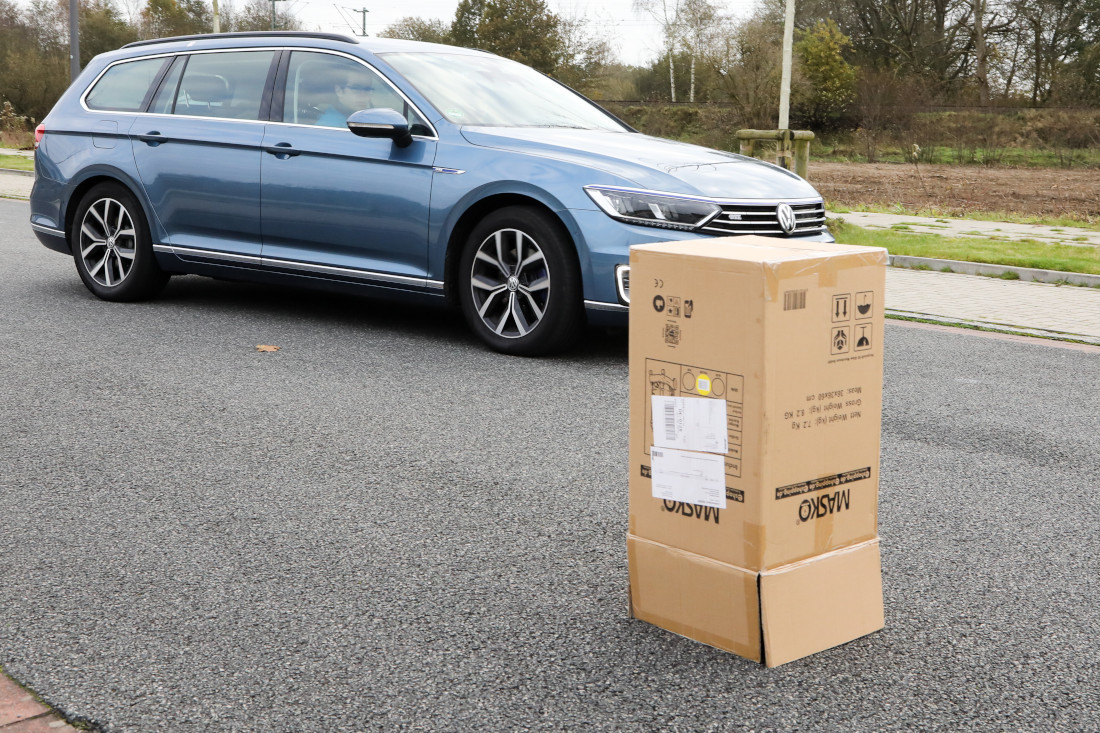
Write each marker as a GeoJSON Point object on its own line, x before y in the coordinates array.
{"type": "Point", "coordinates": [653, 209]}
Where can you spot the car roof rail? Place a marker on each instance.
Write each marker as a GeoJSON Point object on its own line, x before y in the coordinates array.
{"type": "Point", "coordinates": [247, 34]}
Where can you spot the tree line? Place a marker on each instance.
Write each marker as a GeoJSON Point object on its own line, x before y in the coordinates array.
{"type": "Point", "coordinates": [856, 61]}
{"type": "Point", "coordinates": [34, 39]}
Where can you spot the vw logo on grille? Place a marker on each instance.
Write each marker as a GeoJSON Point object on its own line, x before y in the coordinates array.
{"type": "Point", "coordinates": [785, 214]}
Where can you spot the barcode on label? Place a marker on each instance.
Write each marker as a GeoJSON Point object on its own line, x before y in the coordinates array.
{"type": "Point", "coordinates": [670, 421]}
{"type": "Point", "coordinates": [794, 300]}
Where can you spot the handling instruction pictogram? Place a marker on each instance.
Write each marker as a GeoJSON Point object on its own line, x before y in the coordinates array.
{"type": "Point", "coordinates": [842, 307]}
{"type": "Point", "coordinates": [862, 336]}
{"type": "Point", "coordinates": [865, 302]}
{"type": "Point", "coordinates": [841, 342]}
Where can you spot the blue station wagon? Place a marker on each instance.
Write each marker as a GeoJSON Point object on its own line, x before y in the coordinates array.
{"type": "Point", "coordinates": [397, 168]}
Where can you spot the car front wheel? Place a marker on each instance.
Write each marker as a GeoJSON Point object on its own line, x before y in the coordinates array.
{"type": "Point", "coordinates": [112, 248]}
{"type": "Point", "coordinates": [520, 284]}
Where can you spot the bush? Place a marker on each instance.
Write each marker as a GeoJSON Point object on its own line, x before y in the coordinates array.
{"type": "Point", "coordinates": [14, 131]}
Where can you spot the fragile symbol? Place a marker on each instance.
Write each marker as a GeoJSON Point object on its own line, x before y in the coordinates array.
{"type": "Point", "coordinates": [658, 303]}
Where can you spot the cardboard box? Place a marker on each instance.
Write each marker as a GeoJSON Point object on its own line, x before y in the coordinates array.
{"type": "Point", "coordinates": [761, 359]}
{"type": "Point", "coordinates": [773, 616]}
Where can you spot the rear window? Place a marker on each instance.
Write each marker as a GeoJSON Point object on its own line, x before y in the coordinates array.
{"type": "Point", "coordinates": [124, 86]}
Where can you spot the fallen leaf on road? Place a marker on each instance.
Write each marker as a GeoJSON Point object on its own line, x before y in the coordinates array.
{"type": "Point", "coordinates": [266, 347]}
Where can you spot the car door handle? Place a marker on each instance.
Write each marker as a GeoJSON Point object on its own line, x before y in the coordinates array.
{"type": "Point", "coordinates": [153, 138]}
{"type": "Point", "coordinates": [282, 151]}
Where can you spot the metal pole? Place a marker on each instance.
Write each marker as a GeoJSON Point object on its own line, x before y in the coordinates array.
{"type": "Point", "coordinates": [785, 85]}
{"type": "Point", "coordinates": [74, 40]}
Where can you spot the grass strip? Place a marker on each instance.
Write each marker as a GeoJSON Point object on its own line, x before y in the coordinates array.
{"type": "Point", "coordinates": [17, 162]}
{"type": "Point", "coordinates": [933, 213]}
{"type": "Point", "coordinates": [1022, 253]}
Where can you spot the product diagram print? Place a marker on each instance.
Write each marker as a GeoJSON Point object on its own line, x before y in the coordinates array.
{"type": "Point", "coordinates": [661, 384]}
{"type": "Point", "coordinates": [864, 303]}
{"type": "Point", "coordinates": [842, 307]}
{"type": "Point", "coordinates": [704, 384]}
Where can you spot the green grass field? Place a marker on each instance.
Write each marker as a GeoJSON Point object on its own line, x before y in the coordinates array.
{"type": "Point", "coordinates": [1025, 253]}
{"type": "Point", "coordinates": [16, 162]}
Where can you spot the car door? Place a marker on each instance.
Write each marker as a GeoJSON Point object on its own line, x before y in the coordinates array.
{"type": "Point", "coordinates": [198, 152]}
{"type": "Point", "coordinates": [334, 203]}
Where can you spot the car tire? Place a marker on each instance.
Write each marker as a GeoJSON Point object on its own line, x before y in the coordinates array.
{"type": "Point", "coordinates": [110, 241]}
{"type": "Point", "coordinates": [519, 282]}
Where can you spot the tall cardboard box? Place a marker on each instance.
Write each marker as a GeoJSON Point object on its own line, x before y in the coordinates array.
{"type": "Point", "coordinates": [754, 503]}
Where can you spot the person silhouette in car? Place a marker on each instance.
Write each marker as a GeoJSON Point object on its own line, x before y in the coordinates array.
{"type": "Point", "coordinates": [353, 93]}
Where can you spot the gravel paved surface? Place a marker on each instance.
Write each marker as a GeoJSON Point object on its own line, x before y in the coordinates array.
{"type": "Point", "coordinates": [383, 526]}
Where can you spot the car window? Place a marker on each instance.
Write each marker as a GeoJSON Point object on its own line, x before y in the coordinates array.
{"type": "Point", "coordinates": [224, 84]}
{"type": "Point", "coordinates": [323, 89]}
{"type": "Point", "coordinates": [488, 90]}
{"type": "Point", "coordinates": [162, 102]}
{"type": "Point", "coordinates": [124, 87]}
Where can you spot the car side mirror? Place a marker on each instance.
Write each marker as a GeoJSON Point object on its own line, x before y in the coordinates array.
{"type": "Point", "coordinates": [381, 123]}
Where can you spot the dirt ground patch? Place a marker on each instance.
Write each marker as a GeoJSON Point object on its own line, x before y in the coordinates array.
{"type": "Point", "coordinates": [959, 190]}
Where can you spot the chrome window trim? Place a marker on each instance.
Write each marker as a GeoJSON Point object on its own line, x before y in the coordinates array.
{"type": "Point", "coordinates": [83, 104]}
{"type": "Point", "coordinates": [303, 266]}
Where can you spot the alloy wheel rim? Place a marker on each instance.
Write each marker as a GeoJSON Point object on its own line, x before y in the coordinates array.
{"type": "Point", "coordinates": [510, 283]}
{"type": "Point", "coordinates": [108, 242]}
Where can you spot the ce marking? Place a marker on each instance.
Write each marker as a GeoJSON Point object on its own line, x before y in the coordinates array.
{"type": "Point", "coordinates": [658, 282]}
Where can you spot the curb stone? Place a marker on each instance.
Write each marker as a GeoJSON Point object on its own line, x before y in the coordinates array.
{"type": "Point", "coordinates": [979, 268]}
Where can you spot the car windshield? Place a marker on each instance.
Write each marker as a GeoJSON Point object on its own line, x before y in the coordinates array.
{"type": "Point", "coordinates": [496, 92]}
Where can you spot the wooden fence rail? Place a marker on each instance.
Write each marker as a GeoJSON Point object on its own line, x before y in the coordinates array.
{"type": "Point", "coordinates": [792, 148]}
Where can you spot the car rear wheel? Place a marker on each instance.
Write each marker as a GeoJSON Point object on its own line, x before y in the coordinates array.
{"type": "Point", "coordinates": [112, 248]}
{"type": "Point", "coordinates": [520, 284]}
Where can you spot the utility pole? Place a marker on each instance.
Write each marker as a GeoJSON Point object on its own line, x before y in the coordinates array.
{"type": "Point", "coordinates": [363, 13]}
{"type": "Point", "coordinates": [273, 12]}
{"type": "Point", "coordinates": [785, 84]}
{"type": "Point", "coordinates": [217, 19]}
{"type": "Point", "coordinates": [74, 40]}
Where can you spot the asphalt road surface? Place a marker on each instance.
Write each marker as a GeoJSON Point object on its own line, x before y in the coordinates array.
{"type": "Point", "coordinates": [383, 526]}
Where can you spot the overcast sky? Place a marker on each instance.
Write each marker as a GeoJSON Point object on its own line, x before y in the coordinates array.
{"type": "Point", "coordinates": [635, 36]}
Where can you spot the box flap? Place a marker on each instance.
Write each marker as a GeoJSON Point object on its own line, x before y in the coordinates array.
{"type": "Point", "coordinates": [753, 248]}
{"type": "Point", "coordinates": [694, 596]}
{"type": "Point", "coordinates": [821, 602]}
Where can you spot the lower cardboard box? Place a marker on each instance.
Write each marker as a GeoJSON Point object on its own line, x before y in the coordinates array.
{"type": "Point", "coordinates": [771, 616]}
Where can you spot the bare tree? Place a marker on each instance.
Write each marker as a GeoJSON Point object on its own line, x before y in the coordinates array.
{"type": "Point", "coordinates": [667, 14]}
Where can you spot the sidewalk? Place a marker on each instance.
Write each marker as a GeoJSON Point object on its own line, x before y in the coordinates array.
{"type": "Point", "coordinates": [1014, 306]}
{"type": "Point", "coordinates": [21, 713]}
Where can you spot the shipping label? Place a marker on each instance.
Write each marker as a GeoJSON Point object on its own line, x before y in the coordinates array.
{"type": "Point", "coordinates": [689, 477]}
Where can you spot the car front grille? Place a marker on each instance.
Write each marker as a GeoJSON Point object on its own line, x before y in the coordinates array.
{"type": "Point", "coordinates": [750, 217]}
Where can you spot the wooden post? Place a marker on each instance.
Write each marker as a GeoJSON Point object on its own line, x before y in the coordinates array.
{"type": "Point", "coordinates": [793, 147]}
